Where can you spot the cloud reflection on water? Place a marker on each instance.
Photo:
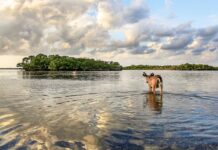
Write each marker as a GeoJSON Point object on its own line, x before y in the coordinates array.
{"type": "Point", "coordinates": [107, 110]}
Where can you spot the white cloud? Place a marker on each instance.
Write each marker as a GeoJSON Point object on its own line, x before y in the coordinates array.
{"type": "Point", "coordinates": [113, 13]}
{"type": "Point", "coordinates": [83, 27]}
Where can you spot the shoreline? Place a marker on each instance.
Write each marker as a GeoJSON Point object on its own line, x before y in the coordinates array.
{"type": "Point", "coordinates": [100, 70]}
{"type": "Point", "coordinates": [170, 69]}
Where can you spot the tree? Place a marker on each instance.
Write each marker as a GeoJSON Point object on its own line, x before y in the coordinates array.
{"type": "Point", "coordinates": [42, 62]}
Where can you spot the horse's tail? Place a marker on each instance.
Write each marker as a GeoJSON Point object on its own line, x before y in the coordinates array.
{"type": "Point", "coordinates": [161, 82]}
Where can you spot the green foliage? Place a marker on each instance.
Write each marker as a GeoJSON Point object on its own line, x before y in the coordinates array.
{"type": "Point", "coordinates": [186, 66]}
{"type": "Point", "coordinates": [43, 62]}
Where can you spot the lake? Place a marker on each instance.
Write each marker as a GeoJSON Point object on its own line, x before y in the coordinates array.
{"type": "Point", "coordinates": [107, 111]}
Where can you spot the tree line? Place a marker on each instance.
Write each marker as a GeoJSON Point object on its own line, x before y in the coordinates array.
{"type": "Point", "coordinates": [43, 62]}
{"type": "Point", "coordinates": [186, 66]}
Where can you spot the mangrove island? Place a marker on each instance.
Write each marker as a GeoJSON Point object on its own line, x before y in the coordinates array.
{"type": "Point", "coordinates": [43, 62]}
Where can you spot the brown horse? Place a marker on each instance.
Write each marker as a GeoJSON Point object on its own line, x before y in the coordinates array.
{"type": "Point", "coordinates": [154, 81]}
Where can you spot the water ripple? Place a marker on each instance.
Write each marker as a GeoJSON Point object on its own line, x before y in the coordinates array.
{"type": "Point", "coordinates": [107, 110]}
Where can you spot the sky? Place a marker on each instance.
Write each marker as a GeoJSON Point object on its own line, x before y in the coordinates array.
{"type": "Point", "coordinates": [153, 32]}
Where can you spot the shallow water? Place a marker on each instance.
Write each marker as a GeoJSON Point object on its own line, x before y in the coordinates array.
{"type": "Point", "coordinates": [107, 111]}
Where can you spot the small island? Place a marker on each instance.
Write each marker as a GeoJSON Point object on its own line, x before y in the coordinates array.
{"type": "Point", "coordinates": [43, 62]}
{"type": "Point", "coordinates": [186, 66]}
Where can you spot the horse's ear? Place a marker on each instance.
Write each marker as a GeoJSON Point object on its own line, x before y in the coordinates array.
{"type": "Point", "coordinates": [144, 74]}
{"type": "Point", "coordinates": [152, 74]}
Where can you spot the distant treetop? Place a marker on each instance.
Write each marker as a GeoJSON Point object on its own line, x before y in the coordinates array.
{"type": "Point", "coordinates": [43, 62]}
{"type": "Point", "coordinates": [186, 66]}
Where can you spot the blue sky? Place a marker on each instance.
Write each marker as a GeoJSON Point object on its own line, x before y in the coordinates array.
{"type": "Point", "coordinates": [201, 13]}
{"type": "Point", "coordinates": [128, 31]}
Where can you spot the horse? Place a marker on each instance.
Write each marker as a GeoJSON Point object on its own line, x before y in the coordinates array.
{"type": "Point", "coordinates": [154, 81]}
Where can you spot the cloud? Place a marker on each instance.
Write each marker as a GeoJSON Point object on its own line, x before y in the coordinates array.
{"type": "Point", "coordinates": [83, 27]}
{"type": "Point", "coordinates": [108, 15]}
{"type": "Point", "coordinates": [177, 43]}
{"type": "Point", "coordinates": [30, 23]}
{"type": "Point", "coordinates": [135, 12]}
{"type": "Point", "coordinates": [142, 50]}
{"type": "Point", "coordinates": [208, 32]}
{"type": "Point", "coordinates": [113, 14]}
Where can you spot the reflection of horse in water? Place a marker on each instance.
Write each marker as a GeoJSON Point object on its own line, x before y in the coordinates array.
{"type": "Point", "coordinates": [154, 102]}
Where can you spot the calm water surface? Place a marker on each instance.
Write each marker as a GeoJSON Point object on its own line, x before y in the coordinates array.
{"type": "Point", "coordinates": [107, 111]}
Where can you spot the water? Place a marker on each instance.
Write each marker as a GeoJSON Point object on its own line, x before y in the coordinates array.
{"type": "Point", "coordinates": [107, 111]}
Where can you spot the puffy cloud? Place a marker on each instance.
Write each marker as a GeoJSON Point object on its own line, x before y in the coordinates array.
{"type": "Point", "coordinates": [177, 43]}
{"type": "Point", "coordinates": [111, 13]}
{"type": "Point", "coordinates": [137, 11]}
{"type": "Point", "coordinates": [142, 50]}
{"type": "Point", "coordinates": [82, 27]}
{"type": "Point", "coordinates": [32, 24]}
{"type": "Point", "coordinates": [204, 40]}
{"type": "Point", "coordinates": [208, 32]}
